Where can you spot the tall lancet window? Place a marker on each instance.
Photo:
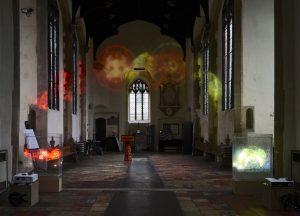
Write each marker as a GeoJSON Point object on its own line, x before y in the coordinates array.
{"type": "Point", "coordinates": [53, 56]}
{"type": "Point", "coordinates": [139, 101]}
{"type": "Point", "coordinates": [74, 68]}
{"type": "Point", "coordinates": [228, 75]}
{"type": "Point", "coordinates": [205, 56]}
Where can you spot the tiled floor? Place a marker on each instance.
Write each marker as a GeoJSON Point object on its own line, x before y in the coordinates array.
{"type": "Point", "coordinates": [152, 184]}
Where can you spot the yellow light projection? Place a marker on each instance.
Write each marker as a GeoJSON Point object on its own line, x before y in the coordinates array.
{"type": "Point", "coordinates": [144, 60]}
{"type": "Point", "coordinates": [198, 69]}
{"type": "Point", "coordinates": [214, 87]}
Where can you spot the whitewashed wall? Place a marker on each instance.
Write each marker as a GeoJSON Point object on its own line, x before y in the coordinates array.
{"type": "Point", "coordinates": [28, 67]}
{"type": "Point", "coordinates": [258, 62]}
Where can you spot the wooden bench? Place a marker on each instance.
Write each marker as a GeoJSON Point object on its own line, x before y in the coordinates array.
{"type": "Point", "coordinates": [225, 154]}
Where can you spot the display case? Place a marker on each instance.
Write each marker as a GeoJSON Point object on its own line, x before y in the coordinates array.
{"type": "Point", "coordinates": [252, 157]}
{"type": "Point", "coordinates": [46, 153]}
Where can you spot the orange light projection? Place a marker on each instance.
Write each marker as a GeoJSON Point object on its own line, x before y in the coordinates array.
{"type": "Point", "coordinates": [169, 67]}
{"type": "Point", "coordinates": [111, 65]}
{"type": "Point", "coordinates": [42, 101]}
{"type": "Point", "coordinates": [67, 86]}
{"type": "Point", "coordinates": [82, 79]}
{"type": "Point", "coordinates": [44, 154]}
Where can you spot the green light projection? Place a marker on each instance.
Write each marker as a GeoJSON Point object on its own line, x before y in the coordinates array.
{"type": "Point", "coordinates": [199, 66]}
{"type": "Point", "coordinates": [251, 158]}
{"type": "Point", "coordinates": [144, 60]}
{"type": "Point", "coordinates": [214, 87]}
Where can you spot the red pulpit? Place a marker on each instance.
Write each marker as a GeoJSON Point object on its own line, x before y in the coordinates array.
{"type": "Point", "coordinates": [128, 141]}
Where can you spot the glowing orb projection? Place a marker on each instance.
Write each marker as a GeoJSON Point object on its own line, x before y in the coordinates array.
{"type": "Point", "coordinates": [169, 67]}
{"type": "Point", "coordinates": [143, 61]}
{"type": "Point", "coordinates": [111, 65]}
{"type": "Point", "coordinates": [141, 66]}
{"type": "Point", "coordinates": [251, 158]}
{"type": "Point", "coordinates": [214, 86]}
{"type": "Point", "coordinates": [42, 101]}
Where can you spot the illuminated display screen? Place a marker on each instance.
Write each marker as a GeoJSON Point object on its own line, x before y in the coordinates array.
{"type": "Point", "coordinates": [251, 158]}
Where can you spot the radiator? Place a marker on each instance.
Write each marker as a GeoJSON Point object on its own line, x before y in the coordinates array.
{"type": "Point", "coordinates": [3, 170]}
{"type": "Point", "coordinates": [296, 165]}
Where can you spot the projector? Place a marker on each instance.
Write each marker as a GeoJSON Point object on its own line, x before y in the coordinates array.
{"type": "Point", "coordinates": [279, 182]}
{"type": "Point", "coordinates": [25, 178]}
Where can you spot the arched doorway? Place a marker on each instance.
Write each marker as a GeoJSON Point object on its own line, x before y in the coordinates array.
{"type": "Point", "coordinates": [100, 127]}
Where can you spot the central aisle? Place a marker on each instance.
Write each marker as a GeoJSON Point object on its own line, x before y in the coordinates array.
{"type": "Point", "coordinates": [143, 199]}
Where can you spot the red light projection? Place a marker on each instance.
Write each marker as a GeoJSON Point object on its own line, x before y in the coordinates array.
{"type": "Point", "coordinates": [169, 67]}
{"type": "Point", "coordinates": [42, 101]}
{"type": "Point", "coordinates": [111, 65]}
{"type": "Point", "coordinates": [67, 86]}
{"type": "Point", "coordinates": [43, 154]}
{"type": "Point", "coordinates": [26, 152]}
{"type": "Point", "coordinates": [82, 79]}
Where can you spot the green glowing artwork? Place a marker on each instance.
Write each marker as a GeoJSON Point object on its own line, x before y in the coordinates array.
{"type": "Point", "coordinates": [251, 157]}
{"type": "Point", "coordinates": [214, 86]}
{"type": "Point", "coordinates": [144, 60]}
{"type": "Point", "coordinates": [198, 72]}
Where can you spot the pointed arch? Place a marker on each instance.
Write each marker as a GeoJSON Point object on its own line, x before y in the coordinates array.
{"type": "Point", "coordinates": [53, 55]}
{"type": "Point", "coordinates": [139, 101]}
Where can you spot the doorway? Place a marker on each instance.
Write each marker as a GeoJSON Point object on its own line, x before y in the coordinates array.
{"type": "Point", "coordinates": [100, 129]}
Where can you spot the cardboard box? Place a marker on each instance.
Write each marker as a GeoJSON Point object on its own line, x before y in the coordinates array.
{"type": "Point", "coordinates": [50, 183]}
{"type": "Point", "coordinates": [272, 196]}
{"type": "Point", "coordinates": [24, 194]}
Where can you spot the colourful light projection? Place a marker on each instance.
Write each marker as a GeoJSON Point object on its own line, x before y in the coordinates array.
{"type": "Point", "coordinates": [43, 154]}
{"type": "Point", "coordinates": [198, 69]}
{"type": "Point", "coordinates": [111, 65]}
{"type": "Point", "coordinates": [115, 63]}
{"type": "Point", "coordinates": [143, 61]}
{"type": "Point", "coordinates": [82, 79]}
{"type": "Point", "coordinates": [251, 158]}
{"type": "Point", "coordinates": [42, 101]}
{"type": "Point", "coordinates": [214, 87]}
{"type": "Point", "coordinates": [168, 67]}
{"type": "Point", "coordinates": [68, 86]}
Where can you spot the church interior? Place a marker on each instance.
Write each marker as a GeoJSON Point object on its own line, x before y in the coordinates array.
{"type": "Point", "coordinates": [162, 107]}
